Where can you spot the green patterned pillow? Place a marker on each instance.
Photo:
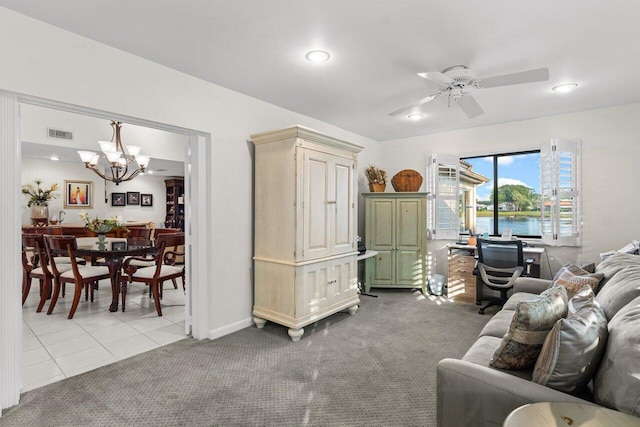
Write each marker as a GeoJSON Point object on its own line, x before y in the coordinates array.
{"type": "Point", "coordinates": [532, 321]}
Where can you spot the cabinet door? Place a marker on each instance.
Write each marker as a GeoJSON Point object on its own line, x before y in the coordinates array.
{"type": "Point", "coordinates": [322, 284]}
{"type": "Point", "coordinates": [380, 237]}
{"type": "Point", "coordinates": [342, 234]}
{"type": "Point", "coordinates": [317, 191]}
{"type": "Point", "coordinates": [409, 239]}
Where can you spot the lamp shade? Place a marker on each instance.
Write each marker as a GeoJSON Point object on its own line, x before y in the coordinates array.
{"type": "Point", "coordinates": [86, 156]}
{"type": "Point", "coordinates": [143, 161]}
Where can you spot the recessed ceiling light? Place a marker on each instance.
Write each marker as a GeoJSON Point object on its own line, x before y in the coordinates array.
{"type": "Point", "coordinates": [54, 158]}
{"type": "Point", "coordinates": [415, 116]}
{"type": "Point", "coordinates": [567, 87]}
{"type": "Point", "coordinates": [317, 56]}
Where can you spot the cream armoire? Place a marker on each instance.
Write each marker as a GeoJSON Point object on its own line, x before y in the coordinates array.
{"type": "Point", "coordinates": [305, 252]}
{"type": "Point", "coordinates": [396, 227]}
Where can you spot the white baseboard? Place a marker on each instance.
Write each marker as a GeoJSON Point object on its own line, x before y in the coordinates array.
{"type": "Point", "coordinates": [229, 329]}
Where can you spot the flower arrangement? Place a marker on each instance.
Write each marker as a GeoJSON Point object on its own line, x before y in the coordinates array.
{"type": "Point", "coordinates": [38, 196]}
{"type": "Point", "coordinates": [102, 226]}
{"type": "Point", "coordinates": [375, 175]}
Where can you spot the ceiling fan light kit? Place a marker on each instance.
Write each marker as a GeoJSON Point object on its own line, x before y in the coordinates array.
{"type": "Point", "coordinates": [456, 81]}
{"type": "Point", "coordinates": [564, 88]}
{"type": "Point", "coordinates": [317, 56]}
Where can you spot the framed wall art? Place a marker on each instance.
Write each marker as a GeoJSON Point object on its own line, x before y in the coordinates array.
{"type": "Point", "coordinates": [146, 200]}
{"type": "Point", "coordinates": [118, 199]}
{"type": "Point", "coordinates": [78, 194]}
{"type": "Point", "coordinates": [133, 198]}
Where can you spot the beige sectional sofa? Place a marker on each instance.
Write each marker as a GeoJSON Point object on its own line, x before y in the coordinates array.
{"type": "Point", "coordinates": [471, 393]}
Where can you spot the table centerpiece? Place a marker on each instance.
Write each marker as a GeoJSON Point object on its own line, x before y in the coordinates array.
{"type": "Point", "coordinates": [102, 226]}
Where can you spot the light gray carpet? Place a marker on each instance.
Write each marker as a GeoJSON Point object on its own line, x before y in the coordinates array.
{"type": "Point", "coordinates": [372, 369]}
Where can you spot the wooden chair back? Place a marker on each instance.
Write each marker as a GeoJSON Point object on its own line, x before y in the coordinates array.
{"type": "Point", "coordinates": [64, 245]}
{"type": "Point", "coordinates": [159, 231]}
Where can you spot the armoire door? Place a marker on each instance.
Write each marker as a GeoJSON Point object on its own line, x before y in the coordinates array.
{"type": "Point", "coordinates": [409, 236]}
{"type": "Point", "coordinates": [317, 191]}
{"type": "Point", "coordinates": [381, 238]}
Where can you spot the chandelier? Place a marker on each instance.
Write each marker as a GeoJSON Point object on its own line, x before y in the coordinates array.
{"type": "Point", "coordinates": [120, 159]}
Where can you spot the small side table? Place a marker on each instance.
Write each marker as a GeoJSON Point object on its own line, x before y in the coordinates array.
{"type": "Point", "coordinates": [368, 254]}
{"type": "Point", "coordinates": [568, 414]}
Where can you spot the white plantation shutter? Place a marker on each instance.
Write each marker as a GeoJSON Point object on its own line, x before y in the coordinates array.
{"type": "Point", "coordinates": [560, 193]}
{"type": "Point", "coordinates": [442, 200]}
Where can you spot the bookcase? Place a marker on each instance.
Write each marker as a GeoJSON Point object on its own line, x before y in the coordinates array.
{"type": "Point", "coordinates": [175, 203]}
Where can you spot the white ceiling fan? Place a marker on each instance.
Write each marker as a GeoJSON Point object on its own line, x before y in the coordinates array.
{"type": "Point", "coordinates": [455, 82]}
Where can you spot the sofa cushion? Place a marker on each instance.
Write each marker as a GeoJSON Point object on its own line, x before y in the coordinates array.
{"type": "Point", "coordinates": [616, 262]}
{"type": "Point", "coordinates": [532, 321]}
{"type": "Point", "coordinates": [617, 381]}
{"type": "Point", "coordinates": [498, 325]}
{"type": "Point", "coordinates": [513, 301]}
{"type": "Point", "coordinates": [482, 351]}
{"type": "Point", "coordinates": [623, 287]}
{"type": "Point", "coordinates": [573, 349]}
{"type": "Point", "coordinates": [573, 282]}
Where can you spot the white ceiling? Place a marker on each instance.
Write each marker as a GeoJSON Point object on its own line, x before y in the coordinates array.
{"type": "Point", "coordinates": [257, 47]}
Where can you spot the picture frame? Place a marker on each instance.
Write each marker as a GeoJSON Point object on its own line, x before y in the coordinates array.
{"type": "Point", "coordinates": [118, 199]}
{"type": "Point", "coordinates": [133, 198]}
{"type": "Point", "coordinates": [118, 246]}
{"type": "Point", "coordinates": [146, 200]}
{"type": "Point", "coordinates": [78, 194]}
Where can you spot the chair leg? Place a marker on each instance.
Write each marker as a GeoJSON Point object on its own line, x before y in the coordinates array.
{"type": "Point", "coordinates": [26, 285]}
{"type": "Point", "coordinates": [156, 296]}
{"type": "Point", "coordinates": [46, 294]}
{"type": "Point", "coordinates": [76, 299]}
{"type": "Point", "coordinates": [56, 293]}
{"type": "Point", "coordinates": [123, 291]}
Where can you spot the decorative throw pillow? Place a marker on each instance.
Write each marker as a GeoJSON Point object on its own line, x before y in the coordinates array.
{"type": "Point", "coordinates": [573, 282]}
{"type": "Point", "coordinates": [532, 321]}
{"type": "Point", "coordinates": [578, 271]}
{"type": "Point", "coordinates": [617, 383]}
{"type": "Point", "coordinates": [573, 349]}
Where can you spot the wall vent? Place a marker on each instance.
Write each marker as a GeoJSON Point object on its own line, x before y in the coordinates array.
{"type": "Point", "coordinates": [60, 134]}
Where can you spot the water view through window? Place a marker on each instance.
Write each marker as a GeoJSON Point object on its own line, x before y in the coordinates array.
{"type": "Point", "coordinates": [515, 178]}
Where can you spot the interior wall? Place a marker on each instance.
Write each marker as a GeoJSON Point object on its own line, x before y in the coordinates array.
{"type": "Point", "coordinates": [57, 172]}
{"type": "Point", "coordinates": [610, 172]}
{"type": "Point", "coordinates": [47, 62]}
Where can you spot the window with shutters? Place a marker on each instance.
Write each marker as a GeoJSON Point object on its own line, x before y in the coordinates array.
{"type": "Point", "coordinates": [535, 194]}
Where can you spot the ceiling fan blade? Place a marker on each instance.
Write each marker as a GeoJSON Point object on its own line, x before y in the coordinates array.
{"type": "Point", "coordinates": [415, 104]}
{"type": "Point", "coordinates": [437, 78]}
{"type": "Point", "coordinates": [470, 106]}
{"type": "Point", "coordinates": [538, 75]}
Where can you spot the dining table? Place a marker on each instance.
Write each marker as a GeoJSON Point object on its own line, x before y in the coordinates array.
{"type": "Point", "coordinates": [112, 254]}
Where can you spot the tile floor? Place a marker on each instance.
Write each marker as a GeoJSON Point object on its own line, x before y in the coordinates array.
{"type": "Point", "coordinates": [56, 347]}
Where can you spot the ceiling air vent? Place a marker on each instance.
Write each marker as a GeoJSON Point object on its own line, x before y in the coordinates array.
{"type": "Point", "coordinates": [60, 134]}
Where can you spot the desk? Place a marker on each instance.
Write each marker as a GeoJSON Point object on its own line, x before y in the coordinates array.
{"type": "Point", "coordinates": [461, 283]}
{"type": "Point", "coordinates": [566, 414]}
{"type": "Point", "coordinates": [114, 252]}
{"type": "Point", "coordinates": [366, 255]}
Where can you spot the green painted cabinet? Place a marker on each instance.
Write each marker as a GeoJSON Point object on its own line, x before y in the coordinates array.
{"type": "Point", "coordinates": [396, 228]}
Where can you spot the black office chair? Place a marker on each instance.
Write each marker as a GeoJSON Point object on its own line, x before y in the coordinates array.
{"type": "Point", "coordinates": [500, 263]}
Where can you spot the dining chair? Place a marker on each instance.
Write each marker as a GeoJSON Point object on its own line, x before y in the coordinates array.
{"type": "Point", "coordinates": [82, 276]}
{"type": "Point", "coordinates": [164, 268]}
{"type": "Point", "coordinates": [35, 265]}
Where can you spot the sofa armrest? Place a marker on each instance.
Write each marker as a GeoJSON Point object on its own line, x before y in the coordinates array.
{"type": "Point", "coordinates": [530, 285]}
{"type": "Point", "coordinates": [474, 395]}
